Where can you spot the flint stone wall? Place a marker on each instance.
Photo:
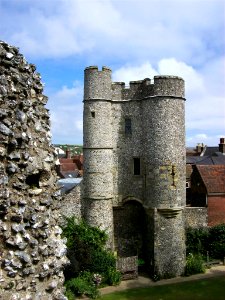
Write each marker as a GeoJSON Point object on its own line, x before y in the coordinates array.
{"type": "Point", "coordinates": [32, 251]}
{"type": "Point", "coordinates": [156, 139]}
{"type": "Point", "coordinates": [71, 205]}
{"type": "Point", "coordinates": [196, 217]}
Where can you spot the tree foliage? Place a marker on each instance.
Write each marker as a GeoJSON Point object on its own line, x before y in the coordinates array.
{"type": "Point", "coordinates": [203, 240]}
{"type": "Point", "coordinates": [87, 255]}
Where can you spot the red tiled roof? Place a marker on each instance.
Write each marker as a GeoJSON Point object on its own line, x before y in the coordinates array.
{"type": "Point", "coordinates": [66, 160]}
{"type": "Point", "coordinates": [213, 177]}
{"type": "Point", "coordinates": [68, 167]}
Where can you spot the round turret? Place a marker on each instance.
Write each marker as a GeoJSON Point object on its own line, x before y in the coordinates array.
{"type": "Point", "coordinates": [164, 144]}
{"type": "Point", "coordinates": [168, 86]}
{"type": "Point", "coordinates": [97, 84]}
{"type": "Point", "coordinates": [97, 108]}
{"type": "Point", "coordinates": [97, 141]}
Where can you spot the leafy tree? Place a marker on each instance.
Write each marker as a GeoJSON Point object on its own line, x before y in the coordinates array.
{"type": "Point", "coordinates": [217, 241]}
{"type": "Point", "coordinates": [87, 255]}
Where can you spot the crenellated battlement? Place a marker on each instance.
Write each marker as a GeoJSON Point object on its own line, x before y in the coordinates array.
{"type": "Point", "coordinates": [99, 86]}
{"type": "Point", "coordinates": [95, 68]}
{"type": "Point", "coordinates": [138, 90]}
{"type": "Point", "coordinates": [172, 86]}
{"type": "Point", "coordinates": [169, 86]}
{"type": "Point", "coordinates": [136, 83]}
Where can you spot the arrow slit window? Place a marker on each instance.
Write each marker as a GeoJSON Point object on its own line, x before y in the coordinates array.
{"type": "Point", "coordinates": [128, 128]}
{"type": "Point", "coordinates": [137, 165]}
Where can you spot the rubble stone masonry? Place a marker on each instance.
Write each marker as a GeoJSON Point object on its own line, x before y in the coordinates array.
{"type": "Point", "coordinates": [32, 253]}
{"type": "Point", "coordinates": [134, 150]}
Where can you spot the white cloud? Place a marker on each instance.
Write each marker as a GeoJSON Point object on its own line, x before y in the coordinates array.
{"type": "Point", "coordinates": [98, 16]}
{"type": "Point", "coordinates": [65, 94]}
{"type": "Point", "coordinates": [138, 39]}
{"type": "Point", "coordinates": [130, 72]}
{"type": "Point", "coordinates": [187, 30]}
{"type": "Point", "coordinates": [51, 37]}
{"type": "Point", "coordinates": [69, 28]}
{"type": "Point", "coordinates": [204, 110]}
{"type": "Point", "coordinates": [209, 140]}
{"type": "Point", "coordinates": [79, 124]}
{"type": "Point", "coordinates": [66, 117]}
{"type": "Point", "coordinates": [169, 66]}
{"type": "Point", "coordinates": [193, 80]}
{"type": "Point", "coordinates": [201, 136]}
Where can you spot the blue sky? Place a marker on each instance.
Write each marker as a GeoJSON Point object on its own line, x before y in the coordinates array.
{"type": "Point", "coordinates": [136, 39]}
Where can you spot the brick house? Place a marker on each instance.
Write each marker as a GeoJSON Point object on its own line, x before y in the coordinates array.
{"type": "Point", "coordinates": [70, 167]}
{"type": "Point", "coordinates": [205, 187]}
{"type": "Point", "coordinates": [209, 184]}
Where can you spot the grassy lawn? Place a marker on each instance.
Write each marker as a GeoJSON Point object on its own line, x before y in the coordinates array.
{"type": "Point", "coordinates": [206, 289]}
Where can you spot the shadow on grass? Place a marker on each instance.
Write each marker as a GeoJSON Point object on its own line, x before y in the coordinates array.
{"type": "Point", "coordinates": [202, 289]}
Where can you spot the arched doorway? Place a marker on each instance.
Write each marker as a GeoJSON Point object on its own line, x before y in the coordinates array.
{"type": "Point", "coordinates": [130, 230]}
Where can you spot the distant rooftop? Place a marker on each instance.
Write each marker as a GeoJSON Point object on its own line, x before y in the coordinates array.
{"type": "Point", "coordinates": [67, 184]}
{"type": "Point", "coordinates": [194, 154]}
{"type": "Point", "coordinates": [213, 178]}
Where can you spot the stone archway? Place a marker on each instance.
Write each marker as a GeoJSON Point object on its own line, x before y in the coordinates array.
{"type": "Point", "coordinates": [130, 229]}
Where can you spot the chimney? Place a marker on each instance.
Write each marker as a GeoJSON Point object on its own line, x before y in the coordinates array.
{"type": "Point", "coordinates": [68, 153]}
{"type": "Point", "coordinates": [199, 148]}
{"type": "Point", "coordinates": [222, 145]}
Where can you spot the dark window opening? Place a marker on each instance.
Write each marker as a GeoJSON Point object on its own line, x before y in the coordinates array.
{"type": "Point", "coordinates": [33, 180]}
{"type": "Point", "coordinates": [93, 114]}
{"type": "Point", "coordinates": [137, 166]}
{"type": "Point", "coordinates": [128, 129]}
{"type": "Point", "coordinates": [19, 141]}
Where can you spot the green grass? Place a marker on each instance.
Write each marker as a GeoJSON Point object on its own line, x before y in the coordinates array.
{"type": "Point", "coordinates": [206, 289]}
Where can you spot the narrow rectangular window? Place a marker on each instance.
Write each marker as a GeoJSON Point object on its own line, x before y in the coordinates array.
{"type": "Point", "coordinates": [137, 166]}
{"type": "Point", "coordinates": [128, 129]}
{"type": "Point", "coordinates": [93, 114]}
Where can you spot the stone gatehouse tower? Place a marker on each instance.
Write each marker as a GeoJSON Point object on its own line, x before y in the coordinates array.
{"type": "Point", "coordinates": [134, 166]}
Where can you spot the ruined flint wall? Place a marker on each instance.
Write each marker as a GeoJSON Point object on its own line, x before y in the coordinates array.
{"type": "Point", "coordinates": [32, 252]}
